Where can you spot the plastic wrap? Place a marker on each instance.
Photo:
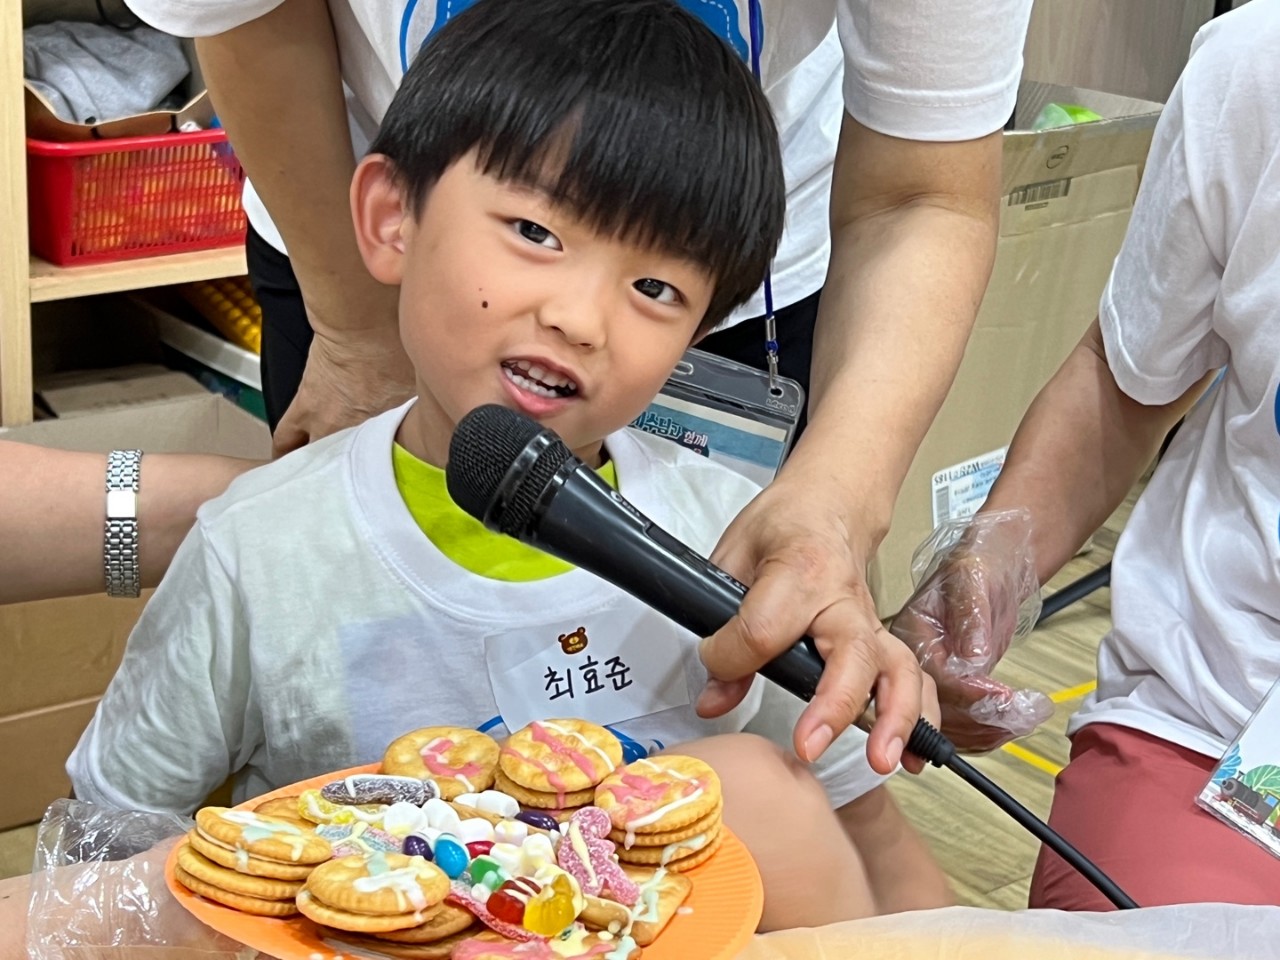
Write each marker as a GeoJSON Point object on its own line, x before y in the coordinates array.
{"type": "Point", "coordinates": [976, 595]}
{"type": "Point", "coordinates": [98, 890]}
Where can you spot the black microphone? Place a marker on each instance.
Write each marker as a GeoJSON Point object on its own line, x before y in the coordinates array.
{"type": "Point", "coordinates": [520, 479]}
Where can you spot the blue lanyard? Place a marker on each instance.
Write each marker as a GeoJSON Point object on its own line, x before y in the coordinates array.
{"type": "Point", "coordinates": [756, 16]}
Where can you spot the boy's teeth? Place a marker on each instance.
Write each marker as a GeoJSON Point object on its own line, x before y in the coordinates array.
{"type": "Point", "coordinates": [551, 391]}
{"type": "Point", "coordinates": [537, 373]}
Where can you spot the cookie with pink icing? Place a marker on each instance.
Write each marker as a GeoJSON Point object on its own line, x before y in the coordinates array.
{"type": "Point", "coordinates": [659, 794]}
{"type": "Point", "coordinates": [458, 760]}
{"type": "Point", "coordinates": [586, 854]}
{"type": "Point", "coordinates": [560, 757]}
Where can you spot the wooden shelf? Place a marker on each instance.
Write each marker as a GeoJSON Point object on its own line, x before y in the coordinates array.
{"type": "Point", "coordinates": [59, 283]}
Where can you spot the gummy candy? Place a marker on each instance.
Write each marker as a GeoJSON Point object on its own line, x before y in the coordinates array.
{"type": "Point", "coordinates": [451, 856]}
{"type": "Point", "coordinates": [487, 871]}
{"type": "Point", "coordinates": [508, 901]}
{"type": "Point", "coordinates": [479, 848]}
{"type": "Point", "coordinates": [416, 845]}
{"type": "Point", "coordinates": [538, 820]}
{"type": "Point", "coordinates": [553, 908]}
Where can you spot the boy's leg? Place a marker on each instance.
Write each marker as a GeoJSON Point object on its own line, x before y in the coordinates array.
{"type": "Point", "coordinates": [902, 872]}
{"type": "Point", "coordinates": [14, 896]}
{"type": "Point", "coordinates": [1127, 802]}
{"type": "Point", "coordinates": [812, 873]}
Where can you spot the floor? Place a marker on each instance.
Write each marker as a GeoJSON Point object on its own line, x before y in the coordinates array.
{"type": "Point", "coordinates": [1058, 658]}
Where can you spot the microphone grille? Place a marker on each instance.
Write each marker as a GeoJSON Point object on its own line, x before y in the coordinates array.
{"type": "Point", "coordinates": [485, 445]}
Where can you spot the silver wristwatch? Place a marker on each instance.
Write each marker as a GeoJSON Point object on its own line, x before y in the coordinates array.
{"type": "Point", "coordinates": [120, 540]}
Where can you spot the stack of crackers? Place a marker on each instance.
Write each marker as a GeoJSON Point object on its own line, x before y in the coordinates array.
{"type": "Point", "coordinates": [552, 808]}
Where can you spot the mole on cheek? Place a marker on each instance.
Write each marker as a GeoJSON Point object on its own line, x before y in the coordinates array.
{"type": "Point", "coordinates": [484, 304]}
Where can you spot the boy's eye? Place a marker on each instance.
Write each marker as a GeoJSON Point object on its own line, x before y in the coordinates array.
{"type": "Point", "coordinates": [657, 290]}
{"type": "Point", "coordinates": [537, 233]}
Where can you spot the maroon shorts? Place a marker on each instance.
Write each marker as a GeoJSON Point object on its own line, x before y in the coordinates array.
{"type": "Point", "coordinates": [1127, 802]}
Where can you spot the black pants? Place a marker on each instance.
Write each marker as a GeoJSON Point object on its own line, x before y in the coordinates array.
{"type": "Point", "coordinates": [286, 331]}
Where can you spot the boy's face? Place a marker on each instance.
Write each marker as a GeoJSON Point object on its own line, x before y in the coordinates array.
{"type": "Point", "coordinates": [505, 298]}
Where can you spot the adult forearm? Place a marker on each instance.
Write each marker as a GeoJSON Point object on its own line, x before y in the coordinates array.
{"type": "Point", "coordinates": [1078, 452]}
{"type": "Point", "coordinates": [53, 504]}
{"type": "Point", "coordinates": [278, 87]}
{"type": "Point", "coordinates": [906, 278]}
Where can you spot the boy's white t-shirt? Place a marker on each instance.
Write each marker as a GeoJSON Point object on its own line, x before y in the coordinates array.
{"type": "Point", "coordinates": [915, 69]}
{"type": "Point", "coordinates": [1195, 591]}
{"type": "Point", "coordinates": [306, 622]}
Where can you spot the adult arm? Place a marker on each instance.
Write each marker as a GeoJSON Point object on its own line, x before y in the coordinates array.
{"type": "Point", "coordinates": [53, 504]}
{"type": "Point", "coordinates": [278, 87]}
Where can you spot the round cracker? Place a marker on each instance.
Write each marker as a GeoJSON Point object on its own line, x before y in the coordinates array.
{"type": "Point", "coordinates": [274, 838]}
{"type": "Point", "coordinates": [261, 888]}
{"type": "Point", "coordinates": [543, 801]}
{"type": "Point", "coordinates": [286, 808]}
{"type": "Point", "coordinates": [404, 758]}
{"type": "Point", "coordinates": [438, 950]}
{"type": "Point", "coordinates": [644, 839]}
{"type": "Point", "coordinates": [683, 864]}
{"type": "Point", "coordinates": [337, 884]}
{"type": "Point", "coordinates": [576, 752]}
{"type": "Point", "coordinates": [261, 908]}
{"type": "Point", "coordinates": [443, 921]}
{"type": "Point", "coordinates": [225, 856]}
{"type": "Point", "coordinates": [327, 916]}
{"type": "Point", "coordinates": [659, 794]}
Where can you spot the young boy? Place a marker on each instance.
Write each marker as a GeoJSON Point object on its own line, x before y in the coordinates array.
{"type": "Point", "coordinates": [566, 196]}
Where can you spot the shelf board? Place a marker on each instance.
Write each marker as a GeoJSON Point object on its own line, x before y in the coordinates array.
{"type": "Point", "coordinates": [49, 282]}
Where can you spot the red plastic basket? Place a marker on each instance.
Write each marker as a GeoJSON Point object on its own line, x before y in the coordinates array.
{"type": "Point", "coordinates": [105, 200]}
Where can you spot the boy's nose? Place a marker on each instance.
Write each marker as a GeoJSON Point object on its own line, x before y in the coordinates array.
{"type": "Point", "coordinates": [579, 316]}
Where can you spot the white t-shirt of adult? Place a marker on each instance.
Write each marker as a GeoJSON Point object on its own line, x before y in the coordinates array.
{"type": "Point", "coordinates": [1195, 592]}
{"type": "Point", "coordinates": [916, 69]}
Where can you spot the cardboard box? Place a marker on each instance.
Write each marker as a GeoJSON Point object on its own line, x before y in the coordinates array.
{"type": "Point", "coordinates": [1067, 197]}
{"type": "Point", "coordinates": [59, 655]}
{"type": "Point", "coordinates": [44, 124]}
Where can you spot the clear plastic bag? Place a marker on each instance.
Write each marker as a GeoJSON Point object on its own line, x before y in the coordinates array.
{"type": "Point", "coordinates": [98, 890]}
{"type": "Point", "coordinates": [976, 595]}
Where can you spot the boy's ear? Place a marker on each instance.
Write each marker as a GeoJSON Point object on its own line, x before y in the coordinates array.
{"type": "Point", "coordinates": [380, 215]}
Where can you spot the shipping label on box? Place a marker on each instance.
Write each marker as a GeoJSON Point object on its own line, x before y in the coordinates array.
{"type": "Point", "coordinates": [960, 491]}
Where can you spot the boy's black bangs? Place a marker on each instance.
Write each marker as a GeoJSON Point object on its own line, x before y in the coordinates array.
{"type": "Point", "coordinates": [630, 114]}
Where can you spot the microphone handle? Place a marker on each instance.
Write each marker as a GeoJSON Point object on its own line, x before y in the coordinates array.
{"type": "Point", "coordinates": [578, 520]}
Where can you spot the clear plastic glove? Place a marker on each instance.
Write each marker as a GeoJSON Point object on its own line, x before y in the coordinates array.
{"type": "Point", "coordinates": [976, 594]}
{"type": "Point", "coordinates": [98, 890]}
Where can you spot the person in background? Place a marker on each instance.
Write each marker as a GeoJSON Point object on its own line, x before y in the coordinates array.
{"type": "Point", "coordinates": [890, 118]}
{"type": "Point", "coordinates": [1195, 586]}
{"type": "Point", "coordinates": [52, 512]}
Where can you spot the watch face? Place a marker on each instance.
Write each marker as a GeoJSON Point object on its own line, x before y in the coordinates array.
{"type": "Point", "coordinates": [122, 505]}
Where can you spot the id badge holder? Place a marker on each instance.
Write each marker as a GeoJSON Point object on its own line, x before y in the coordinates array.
{"type": "Point", "coordinates": [1244, 790]}
{"type": "Point", "coordinates": [728, 412]}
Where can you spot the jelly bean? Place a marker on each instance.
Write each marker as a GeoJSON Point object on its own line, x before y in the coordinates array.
{"type": "Point", "coordinates": [553, 908]}
{"type": "Point", "coordinates": [508, 901]}
{"type": "Point", "coordinates": [416, 845]}
{"type": "Point", "coordinates": [487, 871]}
{"type": "Point", "coordinates": [538, 820]}
{"type": "Point", "coordinates": [479, 848]}
{"type": "Point", "coordinates": [511, 831]}
{"type": "Point", "coordinates": [468, 831]}
{"type": "Point", "coordinates": [451, 856]}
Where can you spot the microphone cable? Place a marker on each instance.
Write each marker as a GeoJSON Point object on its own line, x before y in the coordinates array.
{"type": "Point", "coordinates": [930, 745]}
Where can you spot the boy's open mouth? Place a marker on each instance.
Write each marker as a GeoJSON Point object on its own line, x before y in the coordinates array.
{"type": "Point", "coordinates": [538, 380]}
